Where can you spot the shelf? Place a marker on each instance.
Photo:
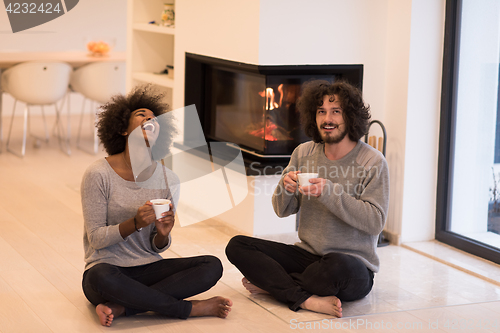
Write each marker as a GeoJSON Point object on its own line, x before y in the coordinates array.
{"type": "Point", "coordinates": [153, 28]}
{"type": "Point", "coordinates": [158, 79]}
{"type": "Point", "coordinates": [150, 47]}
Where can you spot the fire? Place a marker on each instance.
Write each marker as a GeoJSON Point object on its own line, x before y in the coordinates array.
{"type": "Point", "coordinates": [270, 127]}
{"type": "Point", "coordinates": [266, 131]}
{"type": "Point", "coordinates": [280, 89]}
{"type": "Point", "coordinates": [269, 96]}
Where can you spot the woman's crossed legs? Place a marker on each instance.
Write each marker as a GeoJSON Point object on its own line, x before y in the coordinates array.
{"type": "Point", "coordinates": [161, 287]}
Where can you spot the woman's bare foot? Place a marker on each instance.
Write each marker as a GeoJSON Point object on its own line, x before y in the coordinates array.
{"type": "Point", "coordinates": [329, 304]}
{"type": "Point", "coordinates": [216, 306]}
{"type": "Point", "coordinates": [107, 312]}
{"type": "Point", "coordinates": [253, 289]}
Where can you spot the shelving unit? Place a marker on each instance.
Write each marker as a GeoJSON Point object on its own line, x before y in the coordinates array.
{"type": "Point", "coordinates": [160, 80]}
{"type": "Point", "coordinates": [150, 47]}
{"type": "Point", "coordinates": [153, 28]}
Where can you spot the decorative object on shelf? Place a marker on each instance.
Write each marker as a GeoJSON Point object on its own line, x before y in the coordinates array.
{"type": "Point", "coordinates": [168, 15]}
{"type": "Point", "coordinates": [100, 47]}
{"type": "Point", "coordinates": [169, 71]}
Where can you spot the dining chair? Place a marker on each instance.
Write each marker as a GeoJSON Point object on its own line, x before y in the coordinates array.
{"type": "Point", "coordinates": [36, 83]}
{"type": "Point", "coordinates": [97, 82]}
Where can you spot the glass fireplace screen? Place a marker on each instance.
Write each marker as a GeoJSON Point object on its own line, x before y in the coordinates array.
{"type": "Point", "coordinates": [255, 106]}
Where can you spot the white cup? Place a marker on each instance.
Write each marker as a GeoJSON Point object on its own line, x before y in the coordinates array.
{"type": "Point", "coordinates": [303, 178]}
{"type": "Point", "coordinates": [160, 206]}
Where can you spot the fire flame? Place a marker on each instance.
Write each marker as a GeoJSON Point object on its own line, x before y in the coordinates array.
{"type": "Point", "coordinates": [280, 89]}
{"type": "Point", "coordinates": [269, 96]}
{"type": "Point", "coordinates": [271, 104]}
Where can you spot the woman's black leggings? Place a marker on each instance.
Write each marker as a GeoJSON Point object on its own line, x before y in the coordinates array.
{"type": "Point", "coordinates": [161, 286]}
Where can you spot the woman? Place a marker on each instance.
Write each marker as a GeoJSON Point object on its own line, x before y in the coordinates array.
{"type": "Point", "coordinates": [124, 273]}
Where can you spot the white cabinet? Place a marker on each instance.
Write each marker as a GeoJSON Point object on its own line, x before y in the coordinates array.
{"type": "Point", "coordinates": [150, 47]}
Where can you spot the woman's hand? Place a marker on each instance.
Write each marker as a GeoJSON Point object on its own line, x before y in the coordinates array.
{"type": "Point", "coordinates": [163, 226]}
{"type": "Point", "coordinates": [290, 181]}
{"type": "Point", "coordinates": [166, 223]}
{"type": "Point", "coordinates": [145, 215]}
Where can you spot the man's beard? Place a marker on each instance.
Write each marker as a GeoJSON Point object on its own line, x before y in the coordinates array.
{"type": "Point", "coordinates": [329, 138]}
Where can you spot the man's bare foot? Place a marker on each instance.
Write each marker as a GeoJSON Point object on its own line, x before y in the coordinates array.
{"type": "Point", "coordinates": [329, 304]}
{"type": "Point", "coordinates": [107, 312]}
{"type": "Point", "coordinates": [216, 306]}
{"type": "Point", "coordinates": [253, 289]}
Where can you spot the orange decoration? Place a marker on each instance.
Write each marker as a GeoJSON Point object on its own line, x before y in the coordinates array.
{"type": "Point", "coordinates": [98, 48]}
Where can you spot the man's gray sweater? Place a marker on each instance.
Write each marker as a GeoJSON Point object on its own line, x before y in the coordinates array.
{"type": "Point", "coordinates": [351, 211]}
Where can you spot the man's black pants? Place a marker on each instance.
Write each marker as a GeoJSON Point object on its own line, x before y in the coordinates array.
{"type": "Point", "coordinates": [292, 275]}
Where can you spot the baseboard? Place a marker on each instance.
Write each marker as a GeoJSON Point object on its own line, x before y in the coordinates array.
{"type": "Point", "coordinates": [393, 238]}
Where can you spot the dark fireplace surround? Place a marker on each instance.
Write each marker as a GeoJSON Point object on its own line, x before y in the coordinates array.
{"type": "Point", "coordinates": [253, 106]}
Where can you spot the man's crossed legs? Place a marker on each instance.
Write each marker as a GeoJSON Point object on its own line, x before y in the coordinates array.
{"type": "Point", "coordinates": [297, 277]}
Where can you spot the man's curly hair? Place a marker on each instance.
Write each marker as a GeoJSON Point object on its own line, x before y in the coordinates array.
{"type": "Point", "coordinates": [115, 115]}
{"type": "Point", "coordinates": [355, 113]}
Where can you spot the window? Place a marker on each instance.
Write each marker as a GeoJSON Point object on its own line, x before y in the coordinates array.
{"type": "Point", "coordinates": [468, 205]}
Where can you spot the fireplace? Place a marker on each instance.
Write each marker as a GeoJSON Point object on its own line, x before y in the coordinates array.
{"type": "Point", "coordinates": [254, 106]}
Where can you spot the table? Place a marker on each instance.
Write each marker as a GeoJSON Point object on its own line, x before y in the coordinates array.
{"type": "Point", "coordinates": [74, 58]}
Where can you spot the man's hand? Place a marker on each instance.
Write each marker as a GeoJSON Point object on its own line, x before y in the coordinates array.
{"type": "Point", "coordinates": [315, 188]}
{"type": "Point", "coordinates": [290, 181]}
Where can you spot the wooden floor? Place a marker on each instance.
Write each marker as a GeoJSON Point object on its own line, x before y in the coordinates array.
{"type": "Point", "coordinates": [41, 264]}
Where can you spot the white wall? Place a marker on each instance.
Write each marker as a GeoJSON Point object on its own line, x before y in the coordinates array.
{"type": "Point", "coordinates": [422, 120]}
{"type": "Point", "coordinates": [328, 32]}
{"type": "Point", "coordinates": [399, 42]}
{"type": "Point", "coordinates": [89, 18]}
{"type": "Point", "coordinates": [224, 29]}
{"type": "Point", "coordinates": [397, 59]}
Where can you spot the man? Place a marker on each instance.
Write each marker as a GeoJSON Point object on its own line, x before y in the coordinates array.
{"type": "Point", "coordinates": [341, 213]}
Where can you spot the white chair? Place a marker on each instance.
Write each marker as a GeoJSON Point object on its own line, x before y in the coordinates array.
{"type": "Point", "coordinates": [97, 82]}
{"type": "Point", "coordinates": [36, 83]}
